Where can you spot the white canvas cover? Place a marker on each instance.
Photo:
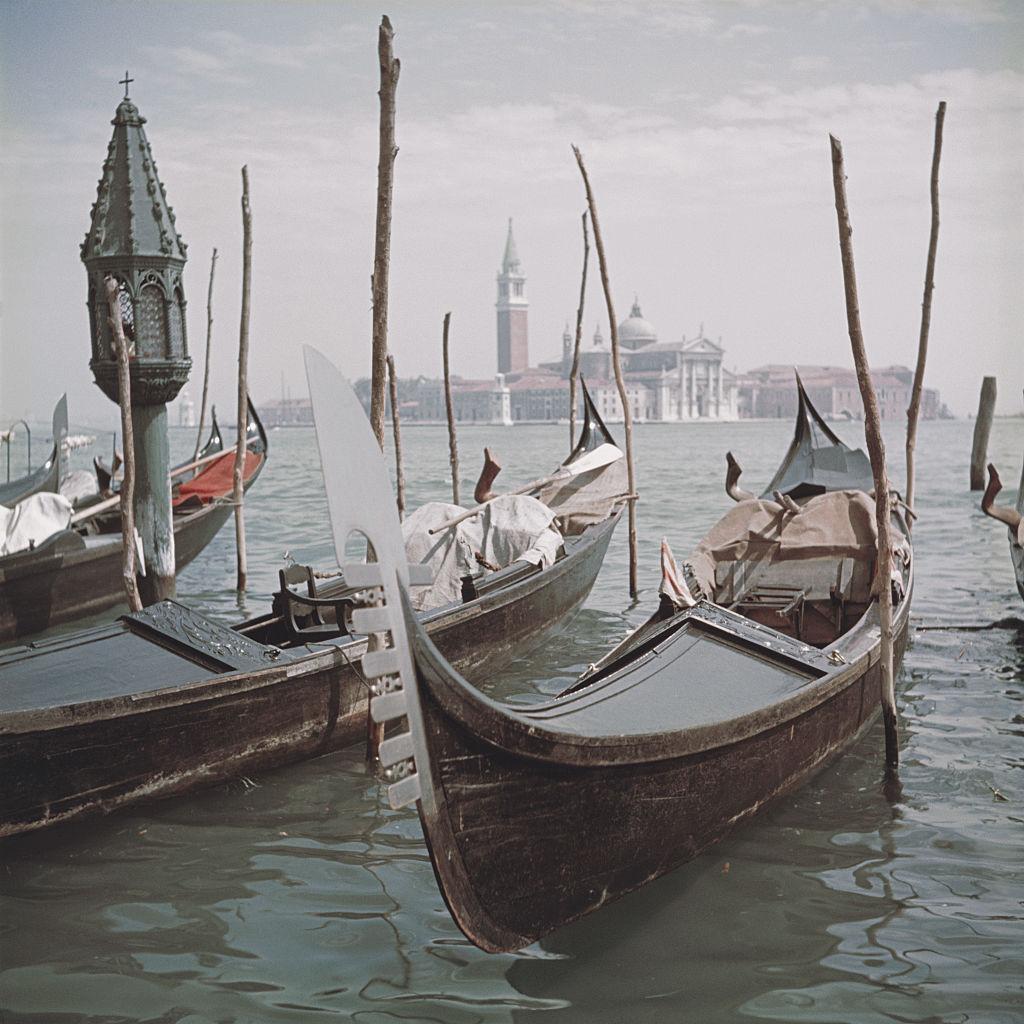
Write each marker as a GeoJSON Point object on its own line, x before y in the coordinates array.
{"type": "Point", "coordinates": [79, 484]}
{"type": "Point", "coordinates": [514, 527]}
{"type": "Point", "coordinates": [32, 521]}
{"type": "Point", "coordinates": [588, 498]}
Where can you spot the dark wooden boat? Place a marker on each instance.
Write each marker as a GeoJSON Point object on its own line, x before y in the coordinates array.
{"type": "Point", "coordinates": [737, 689]}
{"type": "Point", "coordinates": [168, 700]}
{"type": "Point", "coordinates": [77, 571]}
{"type": "Point", "coordinates": [1012, 516]}
{"type": "Point", "coordinates": [105, 473]}
{"type": "Point", "coordinates": [45, 477]}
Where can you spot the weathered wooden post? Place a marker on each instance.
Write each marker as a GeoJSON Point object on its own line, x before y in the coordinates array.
{"type": "Point", "coordinates": [876, 449]}
{"type": "Point", "coordinates": [574, 372]}
{"type": "Point", "coordinates": [127, 496]}
{"type": "Point", "coordinates": [914, 409]}
{"type": "Point", "coordinates": [389, 70]}
{"type": "Point", "coordinates": [627, 412]}
{"type": "Point", "coordinates": [453, 444]}
{"type": "Point", "coordinates": [206, 368]}
{"type": "Point", "coordinates": [396, 429]}
{"type": "Point", "coordinates": [136, 242]}
{"type": "Point", "coordinates": [982, 428]}
{"type": "Point", "coordinates": [238, 476]}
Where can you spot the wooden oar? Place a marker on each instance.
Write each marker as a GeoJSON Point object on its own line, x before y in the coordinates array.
{"type": "Point", "coordinates": [603, 455]}
{"type": "Point", "coordinates": [109, 503]}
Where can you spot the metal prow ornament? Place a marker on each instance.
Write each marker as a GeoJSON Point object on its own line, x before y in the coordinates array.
{"type": "Point", "coordinates": [488, 475]}
{"type": "Point", "coordinates": [1003, 513]}
{"type": "Point", "coordinates": [732, 476]}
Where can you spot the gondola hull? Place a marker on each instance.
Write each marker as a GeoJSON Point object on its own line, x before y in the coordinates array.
{"type": "Point", "coordinates": [70, 753]}
{"type": "Point", "coordinates": [522, 845]}
{"type": "Point", "coordinates": [70, 578]}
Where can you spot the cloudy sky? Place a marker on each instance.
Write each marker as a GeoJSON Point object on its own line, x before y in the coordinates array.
{"type": "Point", "coordinates": [704, 126]}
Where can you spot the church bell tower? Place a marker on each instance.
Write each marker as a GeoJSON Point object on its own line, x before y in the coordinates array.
{"type": "Point", "coordinates": [512, 306]}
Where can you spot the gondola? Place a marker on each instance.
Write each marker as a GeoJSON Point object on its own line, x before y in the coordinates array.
{"type": "Point", "coordinates": [106, 474]}
{"type": "Point", "coordinates": [746, 680]}
{"type": "Point", "coordinates": [77, 571]}
{"type": "Point", "coordinates": [47, 476]}
{"type": "Point", "coordinates": [167, 700]}
{"type": "Point", "coordinates": [1012, 516]}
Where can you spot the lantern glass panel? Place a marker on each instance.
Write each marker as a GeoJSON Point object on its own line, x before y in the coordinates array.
{"type": "Point", "coordinates": [151, 330]}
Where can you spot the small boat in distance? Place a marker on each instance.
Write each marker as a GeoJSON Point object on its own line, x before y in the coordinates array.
{"type": "Point", "coordinates": [167, 700]}
{"type": "Point", "coordinates": [47, 476]}
{"type": "Point", "coordinates": [77, 571]}
{"type": "Point", "coordinates": [1012, 516]}
{"type": "Point", "coordinates": [741, 685]}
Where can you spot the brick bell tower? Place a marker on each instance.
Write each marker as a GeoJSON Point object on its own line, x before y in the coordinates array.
{"type": "Point", "coordinates": [512, 306]}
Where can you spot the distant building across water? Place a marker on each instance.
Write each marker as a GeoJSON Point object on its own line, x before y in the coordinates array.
{"type": "Point", "coordinates": [665, 381]}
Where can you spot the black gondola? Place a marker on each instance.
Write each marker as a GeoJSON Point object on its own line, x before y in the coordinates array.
{"type": "Point", "coordinates": [77, 571]}
{"type": "Point", "coordinates": [45, 477]}
{"type": "Point", "coordinates": [79, 737]}
{"type": "Point", "coordinates": [105, 474]}
{"type": "Point", "coordinates": [724, 700]}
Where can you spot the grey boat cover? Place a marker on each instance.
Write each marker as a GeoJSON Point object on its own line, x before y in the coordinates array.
{"type": "Point", "coordinates": [817, 461]}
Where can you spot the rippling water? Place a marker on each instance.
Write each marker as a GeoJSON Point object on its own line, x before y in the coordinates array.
{"type": "Point", "coordinates": [298, 896]}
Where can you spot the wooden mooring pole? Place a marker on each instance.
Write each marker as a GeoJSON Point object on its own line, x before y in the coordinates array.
{"type": "Point", "coordinates": [389, 69]}
{"type": "Point", "coordinates": [237, 495]}
{"type": "Point", "coordinates": [127, 497]}
{"type": "Point", "coordinates": [627, 413]}
{"type": "Point", "coordinates": [876, 449]}
{"type": "Point", "coordinates": [982, 428]}
{"type": "Point", "coordinates": [396, 429]}
{"type": "Point", "coordinates": [914, 410]}
{"type": "Point", "coordinates": [449, 411]}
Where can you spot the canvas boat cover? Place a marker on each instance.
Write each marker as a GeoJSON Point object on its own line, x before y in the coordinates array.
{"type": "Point", "coordinates": [217, 479]}
{"type": "Point", "coordinates": [78, 485]}
{"type": "Point", "coordinates": [839, 524]}
{"type": "Point", "coordinates": [513, 527]}
{"type": "Point", "coordinates": [589, 498]}
{"type": "Point", "coordinates": [33, 520]}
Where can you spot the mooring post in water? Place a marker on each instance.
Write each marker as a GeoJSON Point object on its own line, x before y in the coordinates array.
{"type": "Point", "coordinates": [127, 496]}
{"type": "Point", "coordinates": [876, 449]}
{"type": "Point", "coordinates": [982, 428]}
{"type": "Point", "coordinates": [449, 411]}
{"type": "Point", "coordinates": [138, 245]}
{"type": "Point", "coordinates": [238, 479]}
{"type": "Point", "coordinates": [627, 413]}
{"type": "Point", "coordinates": [914, 409]}
{"type": "Point", "coordinates": [396, 429]}
{"type": "Point", "coordinates": [387, 151]}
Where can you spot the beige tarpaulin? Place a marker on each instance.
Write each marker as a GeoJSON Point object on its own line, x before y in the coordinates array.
{"type": "Point", "coordinates": [839, 524]}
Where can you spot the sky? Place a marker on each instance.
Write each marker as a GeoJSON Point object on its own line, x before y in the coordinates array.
{"type": "Point", "coordinates": [704, 126]}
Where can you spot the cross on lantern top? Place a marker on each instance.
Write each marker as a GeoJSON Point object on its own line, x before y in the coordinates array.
{"type": "Point", "coordinates": [125, 81]}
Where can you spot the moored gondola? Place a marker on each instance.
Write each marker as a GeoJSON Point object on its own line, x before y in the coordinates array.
{"type": "Point", "coordinates": [746, 680]}
{"type": "Point", "coordinates": [106, 475]}
{"type": "Point", "coordinates": [76, 571]}
{"type": "Point", "coordinates": [1012, 516]}
{"type": "Point", "coordinates": [167, 700]}
{"type": "Point", "coordinates": [45, 477]}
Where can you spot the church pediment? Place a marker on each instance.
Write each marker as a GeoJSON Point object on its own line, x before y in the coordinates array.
{"type": "Point", "coordinates": [703, 346]}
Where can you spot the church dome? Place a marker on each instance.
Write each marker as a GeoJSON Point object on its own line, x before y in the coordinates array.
{"type": "Point", "coordinates": [636, 332]}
